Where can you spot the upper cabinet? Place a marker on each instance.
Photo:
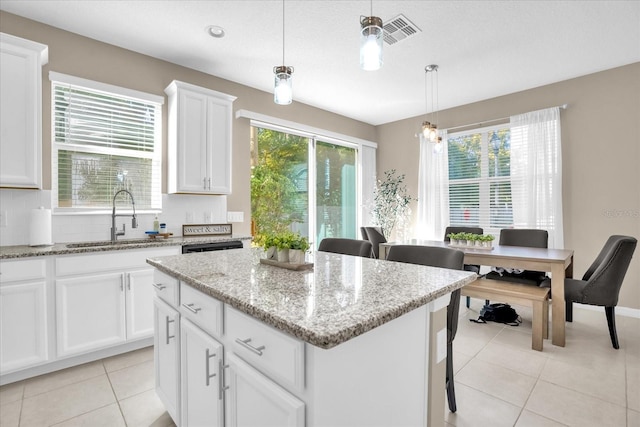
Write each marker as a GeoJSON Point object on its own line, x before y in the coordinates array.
{"type": "Point", "coordinates": [21, 64]}
{"type": "Point", "coordinates": [199, 139]}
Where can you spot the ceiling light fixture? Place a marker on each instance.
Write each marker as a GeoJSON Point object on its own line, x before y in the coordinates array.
{"type": "Point", "coordinates": [215, 31]}
{"type": "Point", "coordinates": [283, 92]}
{"type": "Point", "coordinates": [371, 42]}
{"type": "Point", "coordinates": [429, 131]}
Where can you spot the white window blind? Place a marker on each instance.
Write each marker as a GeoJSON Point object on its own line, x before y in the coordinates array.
{"type": "Point", "coordinates": [479, 178]}
{"type": "Point", "coordinates": [105, 139]}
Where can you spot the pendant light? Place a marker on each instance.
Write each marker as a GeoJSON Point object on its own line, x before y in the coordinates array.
{"type": "Point", "coordinates": [370, 42]}
{"type": "Point", "coordinates": [283, 91]}
{"type": "Point", "coordinates": [429, 131]}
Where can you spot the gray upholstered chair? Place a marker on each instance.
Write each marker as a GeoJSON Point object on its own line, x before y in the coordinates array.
{"type": "Point", "coordinates": [363, 233]}
{"type": "Point", "coordinates": [601, 283]}
{"type": "Point", "coordinates": [375, 236]}
{"type": "Point", "coordinates": [528, 237]}
{"type": "Point", "coordinates": [346, 246]}
{"type": "Point", "coordinates": [467, 267]}
{"type": "Point", "coordinates": [444, 258]}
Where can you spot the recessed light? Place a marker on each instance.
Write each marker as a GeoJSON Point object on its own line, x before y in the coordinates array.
{"type": "Point", "coordinates": [215, 31]}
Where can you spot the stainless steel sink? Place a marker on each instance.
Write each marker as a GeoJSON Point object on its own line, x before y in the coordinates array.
{"type": "Point", "coordinates": [108, 243]}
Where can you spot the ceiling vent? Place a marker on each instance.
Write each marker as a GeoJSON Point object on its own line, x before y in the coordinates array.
{"type": "Point", "coordinates": [398, 29]}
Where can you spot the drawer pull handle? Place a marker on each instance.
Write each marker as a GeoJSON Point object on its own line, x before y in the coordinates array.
{"type": "Point", "coordinates": [221, 386]}
{"type": "Point", "coordinates": [191, 308]}
{"type": "Point", "coordinates": [245, 344]}
{"type": "Point", "coordinates": [159, 286]}
{"type": "Point", "coordinates": [208, 357]}
{"type": "Point", "coordinates": [169, 321]}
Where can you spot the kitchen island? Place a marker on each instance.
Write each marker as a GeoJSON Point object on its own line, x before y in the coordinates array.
{"type": "Point", "coordinates": [353, 342]}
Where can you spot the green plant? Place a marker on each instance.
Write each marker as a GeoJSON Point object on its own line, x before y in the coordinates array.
{"type": "Point", "coordinates": [486, 237]}
{"type": "Point", "coordinates": [300, 243]}
{"type": "Point", "coordinates": [267, 241]}
{"type": "Point", "coordinates": [390, 202]}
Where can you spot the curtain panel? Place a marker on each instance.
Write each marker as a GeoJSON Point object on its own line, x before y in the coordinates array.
{"type": "Point", "coordinates": [433, 189]}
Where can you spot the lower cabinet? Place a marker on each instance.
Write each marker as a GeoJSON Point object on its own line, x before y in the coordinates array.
{"type": "Point", "coordinates": [201, 368]}
{"type": "Point", "coordinates": [253, 399]}
{"type": "Point", "coordinates": [166, 354]}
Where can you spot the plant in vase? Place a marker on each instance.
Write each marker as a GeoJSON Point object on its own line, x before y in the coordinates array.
{"type": "Point", "coordinates": [269, 246]}
{"type": "Point", "coordinates": [283, 242]}
{"type": "Point", "coordinates": [298, 247]}
{"type": "Point", "coordinates": [486, 240]}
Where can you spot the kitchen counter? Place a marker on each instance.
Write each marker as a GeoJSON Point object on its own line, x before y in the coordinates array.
{"type": "Point", "coordinates": [341, 298]}
{"type": "Point", "coordinates": [24, 251]}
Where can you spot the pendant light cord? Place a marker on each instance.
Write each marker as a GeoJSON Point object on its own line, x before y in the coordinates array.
{"type": "Point", "coordinates": [283, 63]}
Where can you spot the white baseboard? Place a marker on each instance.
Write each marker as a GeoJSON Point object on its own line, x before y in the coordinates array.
{"type": "Point", "coordinates": [620, 311]}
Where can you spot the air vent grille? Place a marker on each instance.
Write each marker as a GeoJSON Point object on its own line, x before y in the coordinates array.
{"type": "Point", "coordinates": [398, 29]}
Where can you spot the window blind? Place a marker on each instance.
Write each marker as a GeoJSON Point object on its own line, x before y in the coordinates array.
{"type": "Point", "coordinates": [104, 141]}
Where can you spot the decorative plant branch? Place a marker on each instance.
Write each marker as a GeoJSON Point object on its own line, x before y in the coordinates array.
{"type": "Point", "coordinates": [390, 202]}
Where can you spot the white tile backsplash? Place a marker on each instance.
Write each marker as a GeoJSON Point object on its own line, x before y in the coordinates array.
{"type": "Point", "coordinates": [176, 208]}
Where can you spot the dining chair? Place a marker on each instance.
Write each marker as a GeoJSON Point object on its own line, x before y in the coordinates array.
{"type": "Point", "coordinates": [602, 281]}
{"type": "Point", "coordinates": [346, 246]}
{"type": "Point", "coordinates": [444, 258]}
{"type": "Point", "coordinates": [376, 236]}
{"type": "Point", "coordinates": [467, 267]}
{"type": "Point", "coordinates": [527, 237]}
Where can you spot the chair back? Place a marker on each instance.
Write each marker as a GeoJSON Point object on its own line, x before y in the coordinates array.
{"type": "Point", "coordinates": [531, 238]}
{"type": "Point", "coordinates": [449, 230]}
{"type": "Point", "coordinates": [346, 246]}
{"type": "Point", "coordinates": [434, 257]}
{"type": "Point", "coordinates": [363, 233]}
{"type": "Point", "coordinates": [606, 274]}
{"type": "Point", "coordinates": [375, 236]}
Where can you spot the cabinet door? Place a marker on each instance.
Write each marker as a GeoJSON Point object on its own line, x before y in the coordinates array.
{"type": "Point", "coordinates": [219, 145]}
{"type": "Point", "coordinates": [90, 312]}
{"type": "Point", "coordinates": [23, 325]}
{"type": "Point", "coordinates": [140, 303]}
{"type": "Point", "coordinates": [192, 143]}
{"type": "Point", "coordinates": [201, 393]}
{"type": "Point", "coordinates": [20, 112]}
{"type": "Point", "coordinates": [253, 399]}
{"type": "Point", "coordinates": [166, 354]}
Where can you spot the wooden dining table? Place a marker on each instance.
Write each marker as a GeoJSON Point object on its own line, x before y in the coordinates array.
{"type": "Point", "coordinates": [558, 262]}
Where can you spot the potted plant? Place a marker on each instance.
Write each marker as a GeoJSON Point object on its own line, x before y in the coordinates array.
{"type": "Point", "coordinates": [283, 243]}
{"type": "Point", "coordinates": [269, 246]}
{"type": "Point", "coordinates": [299, 245]}
{"type": "Point", "coordinates": [486, 240]}
{"type": "Point", "coordinates": [391, 202]}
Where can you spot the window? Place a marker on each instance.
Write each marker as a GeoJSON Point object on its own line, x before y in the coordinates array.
{"type": "Point", "coordinates": [479, 178]}
{"type": "Point", "coordinates": [105, 139]}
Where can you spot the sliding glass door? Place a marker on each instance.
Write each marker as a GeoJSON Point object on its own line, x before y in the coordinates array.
{"type": "Point", "coordinates": [302, 184]}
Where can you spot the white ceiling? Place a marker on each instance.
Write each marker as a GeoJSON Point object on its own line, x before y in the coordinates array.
{"type": "Point", "coordinates": [484, 48]}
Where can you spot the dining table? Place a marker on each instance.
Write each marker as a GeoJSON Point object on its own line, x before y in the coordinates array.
{"type": "Point", "coordinates": [558, 262]}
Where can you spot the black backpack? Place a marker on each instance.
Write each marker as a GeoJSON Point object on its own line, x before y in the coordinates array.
{"type": "Point", "coordinates": [500, 313]}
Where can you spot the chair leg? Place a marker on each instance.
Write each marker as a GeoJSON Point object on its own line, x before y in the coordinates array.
{"type": "Point", "coordinates": [451, 392]}
{"type": "Point", "coordinates": [611, 321]}
{"type": "Point", "coordinates": [468, 301]}
{"type": "Point", "coordinates": [568, 310]}
{"type": "Point", "coordinates": [487, 302]}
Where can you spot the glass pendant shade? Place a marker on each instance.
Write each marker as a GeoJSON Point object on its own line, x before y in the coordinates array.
{"type": "Point", "coordinates": [283, 92]}
{"type": "Point", "coordinates": [371, 43]}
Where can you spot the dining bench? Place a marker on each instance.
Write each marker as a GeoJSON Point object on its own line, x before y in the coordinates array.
{"type": "Point", "coordinates": [516, 293]}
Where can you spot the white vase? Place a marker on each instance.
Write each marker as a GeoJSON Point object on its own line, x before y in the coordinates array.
{"type": "Point", "coordinates": [283, 255]}
{"type": "Point", "coordinates": [271, 253]}
{"type": "Point", "coordinates": [296, 256]}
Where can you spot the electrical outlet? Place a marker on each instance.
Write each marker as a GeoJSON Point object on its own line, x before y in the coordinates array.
{"type": "Point", "coordinates": [3, 218]}
{"type": "Point", "coordinates": [235, 216]}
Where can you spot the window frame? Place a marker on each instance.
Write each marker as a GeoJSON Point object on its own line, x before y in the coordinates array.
{"type": "Point", "coordinates": [57, 79]}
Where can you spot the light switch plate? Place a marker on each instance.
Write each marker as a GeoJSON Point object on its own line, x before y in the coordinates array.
{"type": "Point", "coordinates": [235, 216]}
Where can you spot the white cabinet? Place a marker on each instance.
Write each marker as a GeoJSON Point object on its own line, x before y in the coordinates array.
{"type": "Point", "coordinates": [21, 64]}
{"type": "Point", "coordinates": [199, 139]}
{"type": "Point", "coordinates": [23, 314]}
{"type": "Point", "coordinates": [166, 353]}
{"type": "Point", "coordinates": [104, 299]}
{"type": "Point", "coordinates": [253, 399]}
{"type": "Point", "coordinates": [200, 377]}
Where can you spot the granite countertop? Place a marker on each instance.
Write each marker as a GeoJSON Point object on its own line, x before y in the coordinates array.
{"type": "Point", "coordinates": [341, 298]}
{"type": "Point", "coordinates": [24, 251]}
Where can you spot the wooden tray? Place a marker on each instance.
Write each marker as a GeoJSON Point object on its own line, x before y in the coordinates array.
{"type": "Point", "coordinates": [163, 235]}
{"type": "Point", "coordinates": [287, 265]}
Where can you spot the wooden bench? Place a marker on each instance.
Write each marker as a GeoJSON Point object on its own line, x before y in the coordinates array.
{"type": "Point", "coordinates": [515, 293]}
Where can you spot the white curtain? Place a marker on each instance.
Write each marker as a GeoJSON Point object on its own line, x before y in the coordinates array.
{"type": "Point", "coordinates": [536, 173]}
{"type": "Point", "coordinates": [368, 183]}
{"type": "Point", "coordinates": [433, 189]}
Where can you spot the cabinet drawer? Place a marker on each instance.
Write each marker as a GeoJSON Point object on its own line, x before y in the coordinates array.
{"type": "Point", "coordinates": [28, 269]}
{"type": "Point", "coordinates": [276, 354]}
{"type": "Point", "coordinates": [108, 261]}
{"type": "Point", "coordinates": [203, 310]}
{"type": "Point", "coordinates": [167, 288]}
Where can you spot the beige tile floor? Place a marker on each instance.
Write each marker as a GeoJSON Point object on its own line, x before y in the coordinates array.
{"type": "Point", "coordinates": [500, 381]}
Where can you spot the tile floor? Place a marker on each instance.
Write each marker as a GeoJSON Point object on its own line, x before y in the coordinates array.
{"type": "Point", "coordinates": [500, 381]}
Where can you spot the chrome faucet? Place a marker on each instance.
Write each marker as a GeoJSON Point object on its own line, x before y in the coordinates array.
{"type": "Point", "coordinates": [134, 221]}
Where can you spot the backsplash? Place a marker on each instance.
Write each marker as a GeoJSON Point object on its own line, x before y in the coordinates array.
{"type": "Point", "coordinates": [177, 209]}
